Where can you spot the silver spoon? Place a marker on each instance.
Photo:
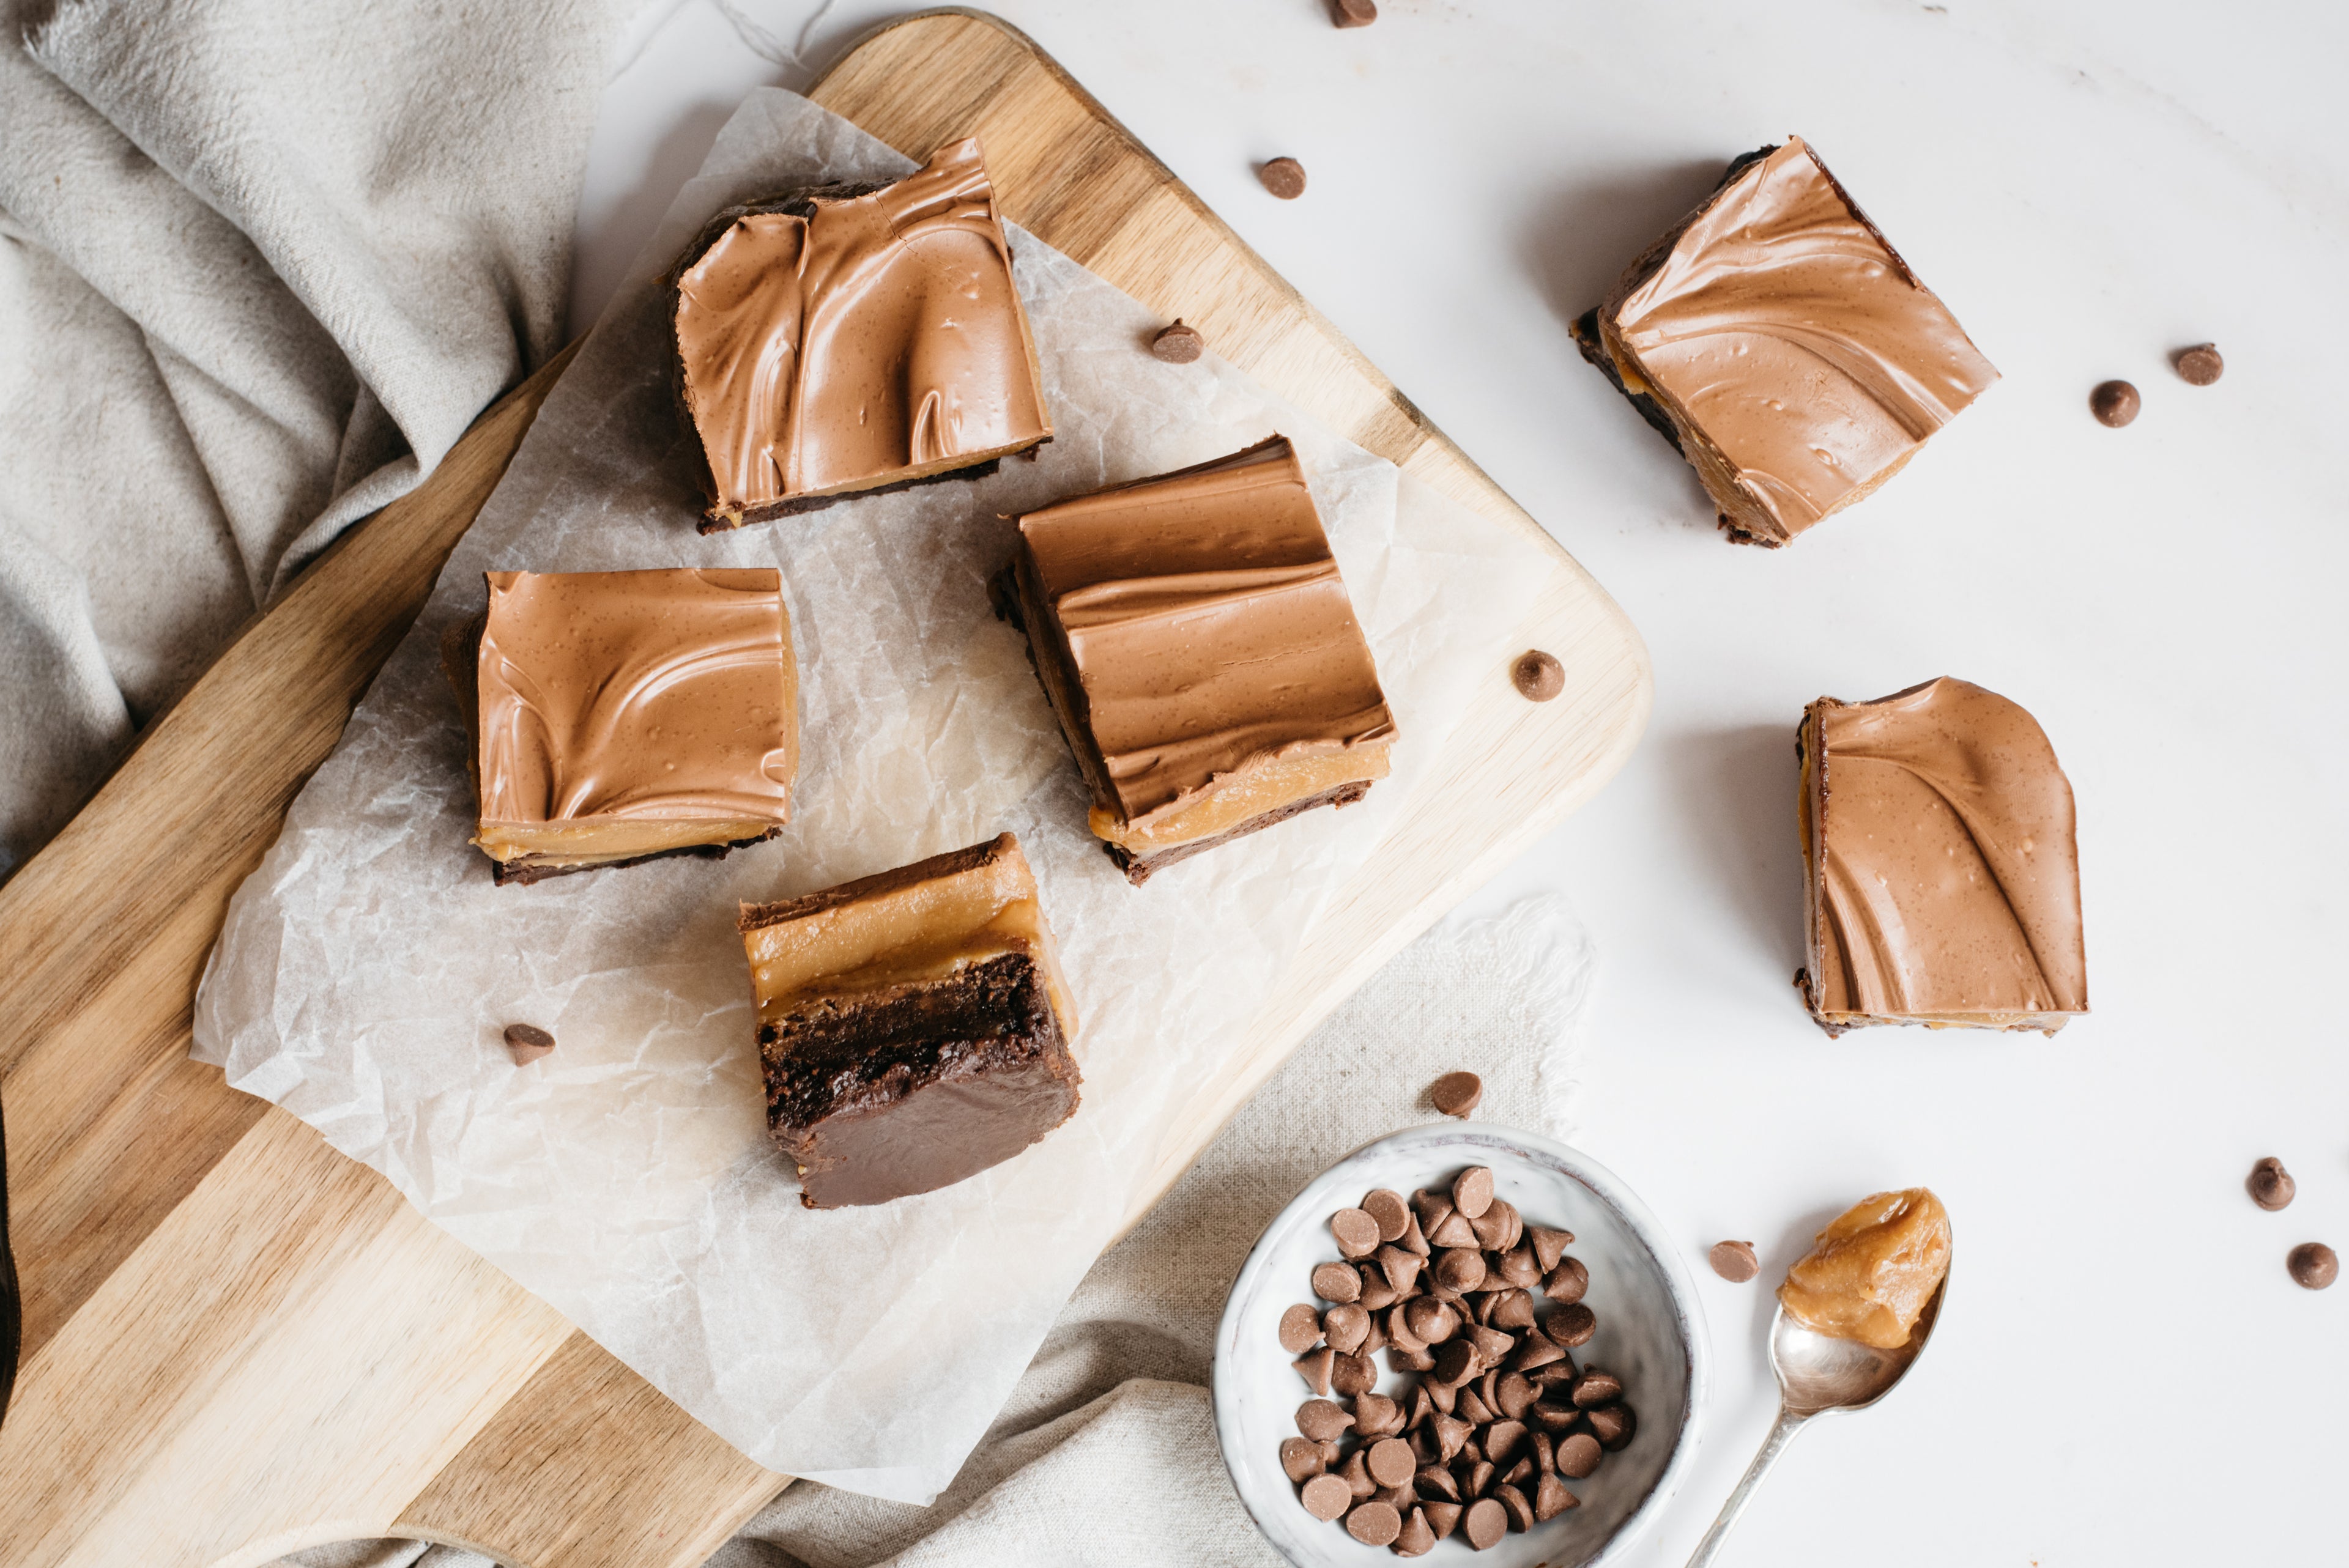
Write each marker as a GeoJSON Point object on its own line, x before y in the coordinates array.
{"type": "Point", "coordinates": [1818, 1376]}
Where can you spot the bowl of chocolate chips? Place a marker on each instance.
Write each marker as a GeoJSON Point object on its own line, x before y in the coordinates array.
{"type": "Point", "coordinates": [1460, 1341]}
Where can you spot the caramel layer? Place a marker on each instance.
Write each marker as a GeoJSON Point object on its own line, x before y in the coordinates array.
{"type": "Point", "coordinates": [920, 923]}
{"type": "Point", "coordinates": [1800, 360]}
{"type": "Point", "coordinates": [853, 340]}
{"type": "Point", "coordinates": [1943, 880]}
{"type": "Point", "coordinates": [619, 714]}
{"type": "Point", "coordinates": [1196, 639]}
{"type": "Point", "coordinates": [1870, 1274]}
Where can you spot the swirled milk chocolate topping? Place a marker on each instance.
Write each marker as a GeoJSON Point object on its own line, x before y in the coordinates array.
{"type": "Point", "coordinates": [1943, 881]}
{"type": "Point", "coordinates": [618, 716]}
{"type": "Point", "coordinates": [1198, 645]}
{"type": "Point", "coordinates": [1780, 342]}
{"type": "Point", "coordinates": [857, 337]}
{"type": "Point", "coordinates": [914, 1027]}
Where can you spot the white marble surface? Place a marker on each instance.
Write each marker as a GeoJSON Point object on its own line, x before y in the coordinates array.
{"type": "Point", "coordinates": [2125, 1373]}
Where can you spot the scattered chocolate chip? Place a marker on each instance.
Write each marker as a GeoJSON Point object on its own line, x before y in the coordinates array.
{"type": "Point", "coordinates": [1481, 1473]}
{"type": "Point", "coordinates": [2115, 403]}
{"type": "Point", "coordinates": [1454, 1232]}
{"type": "Point", "coordinates": [1352, 1374]}
{"type": "Point", "coordinates": [2271, 1184]}
{"type": "Point", "coordinates": [1504, 1441]}
{"type": "Point", "coordinates": [1322, 1421]}
{"type": "Point", "coordinates": [1457, 1094]}
{"type": "Point", "coordinates": [1284, 177]}
{"type": "Point", "coordinates": [1552, 1413]}
{"type": "Point", "coordinates": [1534, 1351]}
{"type": "Point", "coordinates": [1376, 1415]}
{"type": "Point", "coordinates": [1357, 1232]}
{"type": "Point", "coordinates": [2314, 1266]}
{"type": "Point", "coordinates": [1551, 1498]}
{"type": "Point", "coordinates": [2201, 365]}
{"type": "Point", "coordinates": [1566, 1283]}
{"type": "Point", "coordinates": [1577, 1456]}
{"type": "Point", "coordinates": [1403, 1358]}
{"type": "Point", "coordinates": [1415, 1239]}
{"type": "Point", "coordinates": [1431, 1320]}
{"type": "Point", "coordinates": [1336, 1281]}
{"type": "Point", "coordinates": [1473, 1408]}
{"type": "Point", "coordinates": [1178, 343]}
{"type": "Point", "coordinates": [1400, 1267]}
{"type": "Point", "coordinates": [1550, 1245]}
{"type": "Point", "coordinates": [1314, 1366]}
{"type": "Point", "coordinates": [1472, 1191]}
{"type": "Point", "coordinates": [1491, 1345]}
{"type": "Point", "coordinates": [1484, 1523]}
{"type": "Point", "coordinates": [1344, 1327]}
{"type": "Point", "coordinates": [1494, 1226]}
{"type": "Point", "coordinates": [1326, 1497]}
{"type": "Point", "coordinates": [1443, 1518]}
{"type": "Point", "coordinates": [1452, 1435]}
{"type": "Point", "coordinates": [1418, 1537]}
{"type": "Point", "coordinates": [1377, 1292]}
{"type": "Point", "coordinates": [1301, 1458]}
{"type": "Point", "coordinates": [1392, 1214]}
{"type": "Point", "coordinates": [1537, 675]}
{"type": "Point", "coordinates": [1571, 1325]}
{"type": "Point", "coordinates": [1353, 12]}
{"type": "Point", "coordinates": [1734, 1261]}
{"type": "Point", "coordinates": [1300, 1329]}
{"type": "Point", "coordinates": [1356, 1474]}
{"type": "Point", "coordinates": [526, 1042]}
{"type": "Point", "coordinates": [1455, 1363]}
{"type": "Point", "coordinates": [1520, 1512]}
{"type": "Point", "coordinates": [1511, 1309]}
{"type": "Point", "coordinates": [1613, 1425]}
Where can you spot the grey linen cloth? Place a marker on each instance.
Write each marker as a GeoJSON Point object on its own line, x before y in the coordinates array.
{"type": "Point", "coordinates": [1107, 1451]}
{"type": "Point", "coordinates": [261, 264]}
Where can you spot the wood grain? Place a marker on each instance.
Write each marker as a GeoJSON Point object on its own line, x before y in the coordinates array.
{"type": "Point", "coordinates": [240, 1342]}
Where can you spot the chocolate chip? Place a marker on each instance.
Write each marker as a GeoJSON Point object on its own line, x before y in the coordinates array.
{"type": "Point", "coordinates": [1415, 1239]}
{"type": "Point", "coordinates": [1537, 675]}
{"type": "Point", "coordinates": [1460, 1268]}
{"type": "Point", "coordinates": [1284, 177]}
{"type": "Point", "coordinates": [1326, 1497]}
{"type": "Point", "coordinates": [1503, 1439]}
{"type": "Point", "coordinates": [1301, 1458]}
{"type": "Point", "coordinates": [1435, 1483]}
{"type": "Point", "coordinates": [1513, 1395]}
{"type": "Point", "coordinates": [1614, 1425]}
{"type": "Point", "coordinates": [1399, 1329]}
{"type": "Point", "coordinates": [1455, 1363]}
{"type": "Point", "coordinates": [1734, 1261]}
{"type": "Point", "coordinates": [1519, 1267]}
{"type": "Point", "coordinates": [1353, 12]}
{"type": "Point", "coordinates": [1314, 1367]}
{"type": "Point", "coordinates": [1551, 1499]}
{"type": "Point", "coordinates": [1548, 1245]}
{"type": "Point", "coordinates": [1357, 1232]}
{"type": "Point", "coordinates": [1485, 1524]}
{"type": "Point", "coordinates": [1321, 1420]}
{"type": "Point", "coordinates": [1399, 1498]}
{"type": "Point", "coordinates": [1597, 1387]}
{"type": "Point", "coordinates": [1356, 1474]}
{"type": "Point", "coordinates": [1473, 1408]}
{"type": "Point", "coordinates": [1377, 1293]}
{"type": "Point", "coordinates": [1300, 1328]}
{"type": "Point", "coordinates": [1452, 1435]}
{"type": "Point", "coordinates": [1500, 1227]}
{"type": "Point", "coordinates": [1577, 1456]}
{"type": "Point", "coordinates": [2271, 1184]}
{"type": "Point", "coordinates": [2114, 403]}
{"type": "Point", "coordinates": [2201, 365]}
{"type": "Point", "coordinates": [526, 1042]}
{"type": "Point", "coordinates": [1456, 1093]}
{"type": "Point", "coordinates": [1336, 1281]}
{"type": "Point", "coordinates": [1418, 1537]}
{"type": "Point", "coordinates": [1356, 1373]}
{"type": "Point", "coordinates": [1431, 1320]}
{"type": "Point", "coordinates": [1401, 1266]}
{"type": "Point", "coordinates": [1520, 1512]}
{"type": "Point", "coordinates": [2314, 1266]}
{"type": "Point", "coordinates": [1545, 1454]}
{"type": "Point", "coordinates": [1344, 1327]}
{"type": "Point", "coordinates": [1404, 1360]}
{"type": "Point", "coordinates": [1388, 1209]}
{"type": "Point", "coordinates": [1554, 1414]}
{"type": "Point", "coordinates": [1391, 1463]}
{"type": "Point", "coordinates": [1374, 1523]}
{"type": "Point", "coordinates": [1376, 1415]}
{"type": "Point", "coordinates": [1512, 1309]}
{"type": "Point", "coordinates": [1454, 1232]}
{"type": "Point", "coordinates": [1472, 1191]}
{"type": "Point", "coordinates": [1178, 343]}
{"type": "Point", "coordinates": [1480, 1477]}
{"type": "Point", "coordinates": [1444, 1395]}
{"type": "Point", "coordinates": [1566, 1283]}
{"type": "Point", "coordinates": [1443, 1518]}
{"type": "Point", "coordinates": [1571, 1326]}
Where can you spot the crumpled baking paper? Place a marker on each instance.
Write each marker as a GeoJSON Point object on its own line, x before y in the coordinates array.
{"type": "Point", "coordinates": [368, 967]}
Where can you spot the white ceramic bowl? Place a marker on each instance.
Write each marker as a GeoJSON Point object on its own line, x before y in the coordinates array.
{"type": "Point", "coordinates": [1650, 1334]}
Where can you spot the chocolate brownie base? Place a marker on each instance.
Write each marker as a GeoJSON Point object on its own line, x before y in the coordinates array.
{"type": "Point", "coordinates": [528, 868]}
{"type": "Point", "coordinates": [1139, 868]}
{"type": "Point", "coordinates": [883, 1095]}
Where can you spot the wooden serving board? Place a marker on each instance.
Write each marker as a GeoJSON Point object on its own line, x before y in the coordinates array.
{"type": "Point", "coordinates": [237, 1341]}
